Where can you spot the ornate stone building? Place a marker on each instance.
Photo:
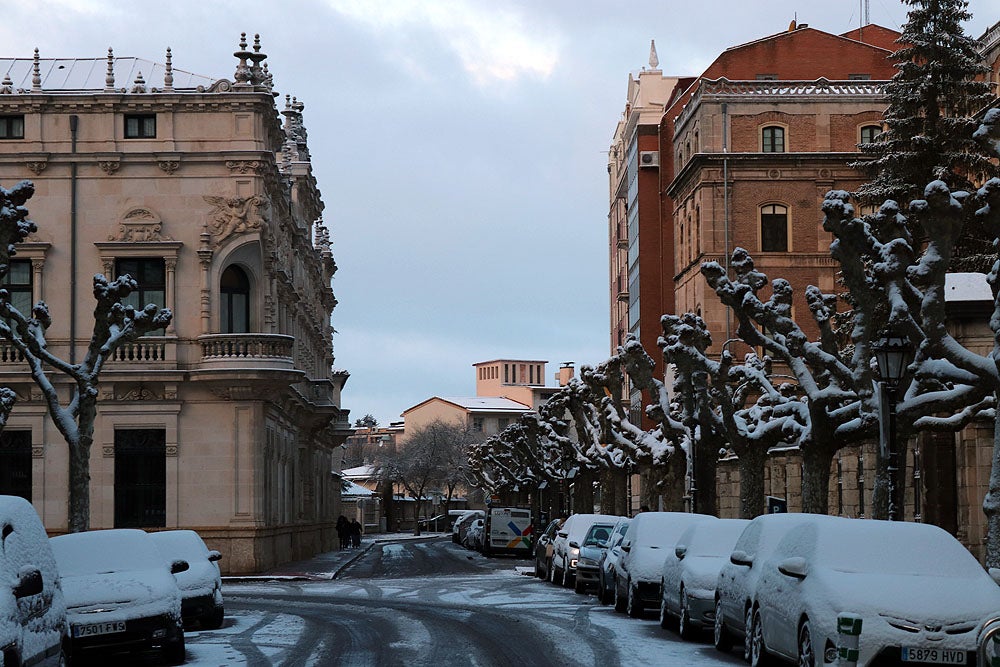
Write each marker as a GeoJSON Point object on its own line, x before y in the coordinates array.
{"type": "Point", "coordinates": [229, 420]}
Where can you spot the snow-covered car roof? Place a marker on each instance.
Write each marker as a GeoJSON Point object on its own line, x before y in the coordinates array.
{"type": "Point", "coordinates": [577, 525]}
{"type": "Point", "coordinates": [661, 529]}
{"type": "Point", "coordinates": [712, 538]}
{"type": "Point", "coordinates": [106, 551]}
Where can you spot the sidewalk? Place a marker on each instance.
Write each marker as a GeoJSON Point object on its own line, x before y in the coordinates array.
{"type": "Point", "coordinates": [326, 566]}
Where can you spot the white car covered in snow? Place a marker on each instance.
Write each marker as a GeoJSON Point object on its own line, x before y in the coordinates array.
{"type": "Point", "coordinates": [922, 597]}
{"type": "Point", "coordinates": [33, 628]}
{"type": "Point", "coordinates": [201, 583]}
{"type": "Point", "coordinates": [650, 536]}
{"type": "Point", "coordinates": [691, 571]}
{"type": "Point", "coordinates": [121, 594]}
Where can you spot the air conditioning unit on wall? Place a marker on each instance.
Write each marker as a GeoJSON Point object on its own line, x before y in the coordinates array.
{"type": "Point", "coordinates": [649, 158]}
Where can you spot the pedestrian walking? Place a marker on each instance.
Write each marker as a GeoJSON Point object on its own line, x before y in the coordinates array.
{"type": "Point", "coordinates": [344, 532]}
{"type": "Point", "coordinates": [355, 534]}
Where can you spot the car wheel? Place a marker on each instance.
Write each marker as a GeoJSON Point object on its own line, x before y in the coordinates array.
{"type": "Point", "coordinates": [758, 652]}
{"type": "Point", "coordinates": [684, 627]}
{"type": "Point", "coordinates": [807, 657]}
{"type": "Point", "coordinates": [747, 633]}
{"type": "Point", "coordinates": [538, 570]}
{"type": "Point", "coordinates": [664, 614]}
{"type": "Point", "coordinates": [174, 653]}
{"type": "Point", "coordinates": [215, 620]}
{"type": "Point", "coordinates": [721, 638]}
{"type": "Point", "coordinates": [566, 578]}
{"type": "Point", "coordinates": [602, 594]}
{"type": "Point", "coordinates": [619, 598]}
{"type": "Point", "coordinates": [634, 605]}
{"type": "Point", "coordinates": [554, 574]}
{"type": "Point", "coordinates": [579, 587]}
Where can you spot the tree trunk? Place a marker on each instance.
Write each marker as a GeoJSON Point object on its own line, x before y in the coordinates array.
{"type": "Point", "coordinates": [816, 462]}
{"type": "Point", "coordinates": [583, 493]}
{"type": "Point", "coordinates": [610, 490]}
{"type": "Point", "coordinates": [79, 486]}
{"type": "Point", "coordinates": [707, 464]}
{"type": "Point", "coordinates": [991, 504]}
{"type": "Point", "coordinates": [417, 507]}
{"type": "Point", "coordinates": [670, 483]}
{"type": "Point", "coordinates": [752, 463]}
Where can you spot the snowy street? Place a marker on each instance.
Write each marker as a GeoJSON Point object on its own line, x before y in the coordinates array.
{"type": "Point", "coordinates": [430, 602]}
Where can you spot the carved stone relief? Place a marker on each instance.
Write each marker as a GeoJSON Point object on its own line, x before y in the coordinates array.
{"type": "Point", "coordinates": [233, 215]}
{"type": "Point", "coordinates": [139, 225]}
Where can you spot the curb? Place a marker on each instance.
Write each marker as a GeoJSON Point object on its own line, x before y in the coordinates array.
{"type": "Point", "coordinates": [304, 576]}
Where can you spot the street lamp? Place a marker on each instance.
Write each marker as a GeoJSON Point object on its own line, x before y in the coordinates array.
{"type": "Point", "coordinates": [893, 354]}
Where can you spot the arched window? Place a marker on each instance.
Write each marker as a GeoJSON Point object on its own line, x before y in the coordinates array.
{"type": "Point", "coordinates": [772, 139]}
{"type": "Point", "coordinates": [773, 228]}
{"type": "Point", "coordinates": [234, 289]}
{"type": "Point", "coordinates": [869, 133]}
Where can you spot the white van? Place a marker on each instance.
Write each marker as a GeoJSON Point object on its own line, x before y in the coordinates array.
{"type": "Point", "coordinates": [33, 627]}
{"type": "Point", "coordinates": [508, 530]}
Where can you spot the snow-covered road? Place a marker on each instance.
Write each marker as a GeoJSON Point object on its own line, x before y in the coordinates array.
{"type": "Point", "coordinates": [495, 616]}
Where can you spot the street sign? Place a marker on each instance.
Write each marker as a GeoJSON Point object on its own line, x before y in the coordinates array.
{"type": "Point", "coordinates": [777, 505]}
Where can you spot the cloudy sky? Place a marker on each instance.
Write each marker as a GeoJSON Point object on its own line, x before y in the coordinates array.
{"type": "Point", "coordinates": [460, 146]}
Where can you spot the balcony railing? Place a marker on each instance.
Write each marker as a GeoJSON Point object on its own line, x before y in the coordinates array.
{"type": "Point", "coordinates": [141, 351]}
{"type": "Point", "coordinates": [10, 354]}
{"type": "Point", "coordinates": [252, 350]}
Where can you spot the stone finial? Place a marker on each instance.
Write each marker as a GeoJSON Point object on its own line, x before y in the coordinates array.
{"type": "Point", "coordinates": [36, 74]}
{"type": "Point", "coordinates": [7, 87]}
{"type": "Point", "coordinates": [242, 75]}
{"type": "Point", "coordinates": [168, 75]}
{"type": "Point", "coordinates": [268, 79]}
{"type": "Point", "coordinates": [654, 61]}
{"type": "Point", "coordinates": [139, 85]}
{"type": "Point", "coordinates": [109, 79]}
{"type": "Point", "coordinates": [256, 57]}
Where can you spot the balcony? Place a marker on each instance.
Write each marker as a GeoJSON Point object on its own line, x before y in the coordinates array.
{"type": "Point", "coordinates": [251, 351]}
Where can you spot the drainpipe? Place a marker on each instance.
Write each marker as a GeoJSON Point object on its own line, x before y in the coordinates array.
{"type": "Point", "coordinates": [74, 122]}
{"type": "Point", "coordinates": [725, 203]}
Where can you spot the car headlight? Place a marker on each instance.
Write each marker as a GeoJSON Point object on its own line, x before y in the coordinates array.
{"type": "Point", "coordinates": [573, 552]}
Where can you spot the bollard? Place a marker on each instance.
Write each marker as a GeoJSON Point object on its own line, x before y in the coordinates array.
{"type": "Point", "coordinates": [848, 639]}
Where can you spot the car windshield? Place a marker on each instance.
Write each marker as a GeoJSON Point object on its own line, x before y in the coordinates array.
{"type": "Point", "coordinates": [597, 536]}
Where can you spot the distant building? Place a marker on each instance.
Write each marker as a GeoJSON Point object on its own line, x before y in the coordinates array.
{"type": "Point", "coordinates": [229, 421]}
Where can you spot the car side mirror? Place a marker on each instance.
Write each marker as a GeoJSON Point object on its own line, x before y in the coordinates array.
{"type": "Point", "coordinates": [627, 547]}
{"type": "Point", "coordinates": [561, 534]}
{"type": "Point", "coordinates": [575, 544]}
{"type": "Point", "coordinates": [995, 574]}
{"type": "Point", "coordinates": [29, 583]}
{"type": "Point", "coordinates": [179, 566]}
{"type": "Point", "coordinates": [793, 567]}
{"type": "Point", "coordinates": [680, 551]}
{"type": "Point", "coordinates": [214, 556]}
{"type": "Point", "coordinates": [741, 558]}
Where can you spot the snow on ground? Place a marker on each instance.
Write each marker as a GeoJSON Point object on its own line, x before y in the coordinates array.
{"type": "Point", "coordinates": [577, 625]}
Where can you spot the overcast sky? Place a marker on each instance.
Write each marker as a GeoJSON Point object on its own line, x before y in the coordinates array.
{"type": "Point", "coordinates": [460, 148]}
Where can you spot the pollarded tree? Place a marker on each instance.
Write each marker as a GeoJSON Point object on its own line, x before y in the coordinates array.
{"type": "Point", "coordinates": [114, 323]}
{"type": "Point", "coordinates": [933, 97]}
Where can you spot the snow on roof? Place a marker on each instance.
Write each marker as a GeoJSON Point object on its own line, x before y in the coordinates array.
{"type": "Point", "coordinates": [353, 489]}
{"type": "Point", "coordinates": [967, 287]}
{"type": "Point", "coordinates": [89, 73]}
{"type": "Point", "coordinates": [487, 404]}
{"type": "Point", "coordinates": [358, 473]}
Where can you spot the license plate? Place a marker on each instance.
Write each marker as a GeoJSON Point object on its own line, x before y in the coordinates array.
{"type": "Point", "coordinates": [934, 656]}
{"type": "Point", "coordinates": [91, 629]}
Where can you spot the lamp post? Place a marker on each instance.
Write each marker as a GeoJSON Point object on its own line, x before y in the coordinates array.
{"type": "Point", "coordinates": [893, 354]}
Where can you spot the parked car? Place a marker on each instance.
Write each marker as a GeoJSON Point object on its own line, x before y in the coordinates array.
{"type": "Point", "coordinates": [462, 524]}
{"type": "Point", "coordinates": [543, 549]}
{"type": "Point", "coordinates": [201, 583]}
{"type": "Point", "coordinates": [645, 547]}
{"type": "Point", "coordinates": [607, 566]}
{"type": "Point", "coordinates": [737, 583]}
{"type": "Point", "coordinates": [588, 563]}
{"type": "Point", "coordinates": [691, 571]}
{"type": "Point", "coordinates": [921, 595]}
{"type": "Point", "coordinates": [475, 535]}
{"type": "Point", "coordinates": [121, 594]}
{"type": "Point", "coordinates": [33, 628]}
{"type": "Point", "coordinates": [566, 545]}
{"type": "Point", "coordinates": [443, 522]}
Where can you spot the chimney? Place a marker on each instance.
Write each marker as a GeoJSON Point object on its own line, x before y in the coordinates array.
{"type": "Point", "coordinates": [565, 374]}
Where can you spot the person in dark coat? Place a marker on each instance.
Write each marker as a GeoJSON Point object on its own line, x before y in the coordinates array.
{"type": "Point", "coordinates": [344, 532]}
{"type": "Point", "coordinates": [355, 534]}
